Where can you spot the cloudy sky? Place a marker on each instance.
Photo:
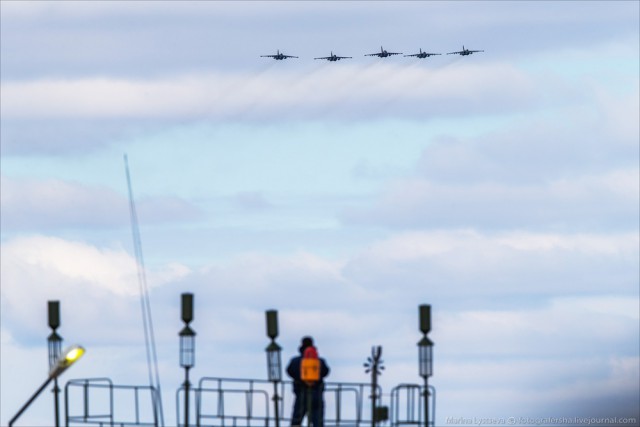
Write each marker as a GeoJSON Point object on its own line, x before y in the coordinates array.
{"type": "Point", "coordinates": [502, 188]}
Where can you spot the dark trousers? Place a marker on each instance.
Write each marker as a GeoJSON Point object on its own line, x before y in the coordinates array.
{"type": "Point", "coordinates": [304, 396]}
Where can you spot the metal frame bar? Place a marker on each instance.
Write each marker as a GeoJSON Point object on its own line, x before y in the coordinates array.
{"type": "Point", "coordinates": [108, 419]}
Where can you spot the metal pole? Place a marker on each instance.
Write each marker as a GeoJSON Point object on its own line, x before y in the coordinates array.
{"type": "Point", "coordinates": [56, 392]}
{"type": "Point", "coordinates": [26, 405]}
{"type": "Point", "coordinates": [426, 401]}
{"type": "Point", "coordinates": [275, 403]}
{"type": "Point", "coordinates": [186, 396]}
{"type": "Point", "coordinates": [374, 394]}
{"type": "Point", "coordinates": [54, 344]}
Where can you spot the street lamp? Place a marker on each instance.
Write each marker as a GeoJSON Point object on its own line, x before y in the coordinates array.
{"type": "Point", "coordinates": [54, 344]}
{"type": "Point", "coordinates": [66, 359]}
{"type": "Point", "coordinates": [425, 356]}
{"type": "Point", "coordinates": [274, 360]}
{"type": "Point", "coordinates": [187, 349]}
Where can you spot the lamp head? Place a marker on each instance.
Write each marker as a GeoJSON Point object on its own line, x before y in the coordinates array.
{"type": "Point", "coordinates": [425, 318]}
{"type": "Point", "coordinates": [54, 314]}
{"type": "Point", "coordinates": [274, 363]}
{"type": "Point", "coordinates": [187, 307]}
{"type": "Point", "coordinates": [187, 347]}
{"type": "Point", "coordinates": [425, 357]}
{"type": "Point", "coordinates": [272, 323]}
{"type": "Point", "coordinates": [66, 359]}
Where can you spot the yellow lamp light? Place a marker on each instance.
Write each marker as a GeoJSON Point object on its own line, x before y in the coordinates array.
{"type": "Point", "coordinates": [66, 359]}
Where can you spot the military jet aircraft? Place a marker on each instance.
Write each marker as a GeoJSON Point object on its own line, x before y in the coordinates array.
{"type": "Point", "coordinates": [279, 56]}
{"type": "Point", "coordinates": [333, 57]}
{"type": "Point", "coordinates": [383, 53]}
{"type": "Point", "coordinates": [464, 52]}
{"type": "Point", "coordinates": [423, 54]}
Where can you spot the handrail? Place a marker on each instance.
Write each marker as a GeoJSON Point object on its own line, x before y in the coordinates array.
{"type": "Point", "coordinates": [223, 413]}
{"type": "Point", "coordinates": [238, 402]}
{"type": "Point", "coordinates": [413, 405]}
{"type": "Point", "coordinates": [87, 417]}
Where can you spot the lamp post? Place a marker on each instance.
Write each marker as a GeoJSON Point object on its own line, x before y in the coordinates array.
{"type": "Point", "coordinates": [54, 344]}
{"type": "Point", "coordinates": [187, 349]}
{"type": "Point", "coordinates": [274, 360]}
{"type": "Point", "coordinates": [66, 359]}
{"type": "Point", "coordinates": [425, 356]}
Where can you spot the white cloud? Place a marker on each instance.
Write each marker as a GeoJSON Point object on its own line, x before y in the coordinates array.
{"type": "Point", "coordinates": [41, 205]}
{"type": "Point", "coordinates": [96, 286]}
{"type": "Point", "coordinates": [566, 326]}
{"type": "Point", "coordinates": [46, 203]}
{"type": "Point", "coordinates": [608, 200]}
{"type": "Point", "coordinates": [300, 91]}
{"type": "Point", "coordinates": [468, 265]}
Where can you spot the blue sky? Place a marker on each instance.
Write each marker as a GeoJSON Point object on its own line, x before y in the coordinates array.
{"type": "Point", "coordinates": [501, 188]}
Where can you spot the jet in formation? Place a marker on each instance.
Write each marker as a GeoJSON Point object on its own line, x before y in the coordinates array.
{"type": "Point", "coordinates": [278, 56]}
{"type": "Point", "coordinates": [422, 54]}
{"type": "Point", "coordinates": [464, 52]}
{"type": "Point", "coordinates": [333, 57]}
{"type": "Point", "coordinates": [383, 53]}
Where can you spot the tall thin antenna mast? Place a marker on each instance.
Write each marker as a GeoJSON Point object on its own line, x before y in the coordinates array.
{"type": "Point", "coordinates": [145, 305]}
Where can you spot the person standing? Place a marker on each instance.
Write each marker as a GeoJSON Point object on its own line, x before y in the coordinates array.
{"type": "Point", "coordinates": [308, 372]}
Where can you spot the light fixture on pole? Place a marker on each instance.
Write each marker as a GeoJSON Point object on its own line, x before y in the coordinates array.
{"type": "Point", "coordinates": [274, 360]}
{"type": "Point", "coordinates": [66, 359]}
{"type": "Point", "coordinates": [425, 356]}
{"type": "Point", "coordinates": [187, 349]}
{"type": "Point", "coordinates": [54, 345]}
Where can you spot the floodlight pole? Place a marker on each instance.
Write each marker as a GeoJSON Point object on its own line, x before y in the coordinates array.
{"type": "Point", "coordinates": [56, 401]}
{"type": "Point", "coordinates": [54, 344]}
{"type": "Point", "coordinates": [274, 361]}
{"type": "Point", "coordinates": [187, 348]}
{"type": "Point", "coordinates": [425, 356]}
{"type": "Point", "coordinates": [426, 401]}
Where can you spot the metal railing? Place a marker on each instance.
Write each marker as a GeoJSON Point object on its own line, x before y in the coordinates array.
{"type": "Point", "coordinates": [98, 398]}
{"type": "Point", "coordinates": [231, 402]}
{"type": "Point", "coordinates": [407, 405]}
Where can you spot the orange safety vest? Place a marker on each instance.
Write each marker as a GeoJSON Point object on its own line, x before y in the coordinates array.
{"type": "Point", "coordinates": [310, 366]}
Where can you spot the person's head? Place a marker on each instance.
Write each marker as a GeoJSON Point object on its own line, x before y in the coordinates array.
{"type": "Point", "coordinates": [306, 342]}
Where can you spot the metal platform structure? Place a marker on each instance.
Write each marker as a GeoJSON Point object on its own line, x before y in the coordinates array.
{"type": "Point", "coordinates": [236, 402]}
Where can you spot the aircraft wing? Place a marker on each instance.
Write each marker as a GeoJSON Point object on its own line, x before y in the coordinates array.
{"type": "Point", "coordinates": [267, 56]}
{"type": "Point", "coordinates": [373, 54]}
{"type": "Point", "coordinates": [343, 57]}
{"type": "Point", "coordinates": [472, 51]}
{"type": "Point", "coordinates": [289, 56]}
{"type": "Point", "coordinates": [460, 52]}
{"type": "Point", "coordinates": [394, 53]}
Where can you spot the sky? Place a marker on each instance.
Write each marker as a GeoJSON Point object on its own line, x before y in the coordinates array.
{"type": "Point", "coordinates": [501, 188]}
